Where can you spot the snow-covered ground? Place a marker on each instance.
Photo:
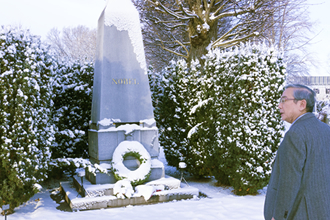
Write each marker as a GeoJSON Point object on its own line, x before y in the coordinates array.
{"type": "Point", "coordinates": [220, 203]}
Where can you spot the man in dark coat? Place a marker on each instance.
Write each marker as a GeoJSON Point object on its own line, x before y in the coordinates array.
{"type": "Point", "coordinates": [299, 187]}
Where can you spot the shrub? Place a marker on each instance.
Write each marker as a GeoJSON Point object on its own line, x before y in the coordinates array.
{"type": "Point", "coordinates": [248, 83]}
{"type": "Point", "coordinates": [171, 93]}
{"type": "Point", "coordinates": [26, 128]}
{"type": "Point", "coordinates": [72, 109]}
{"type": "Point", "coordinates": [231, 126]}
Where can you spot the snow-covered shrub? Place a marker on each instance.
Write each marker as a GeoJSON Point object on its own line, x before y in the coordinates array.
{"type": "Point", "coordinates": [26, 128]}
{"type": "Point", "coordinates": [228, 119]}
{"type": "Point", "coordinates": [172, 90]}
{"type": "Point", "coordinates": [243, 87]}
{"type": "Point", "coordinates": [72, 109]}
{"type": "Point", "coordinates": [75, 165]}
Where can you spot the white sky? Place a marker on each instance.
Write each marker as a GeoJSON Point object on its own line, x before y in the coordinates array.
{"type": "Point", "coordinates": [40, 16]}
{"type": "Point", "coordinates": [319, 11]}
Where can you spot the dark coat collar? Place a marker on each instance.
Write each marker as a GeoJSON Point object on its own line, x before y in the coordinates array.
{"type": "Point", "coordinates": [306, 116]}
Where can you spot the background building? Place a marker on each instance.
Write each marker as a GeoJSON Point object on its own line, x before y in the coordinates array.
{"type": "Point", "coordinates": [320, 84]}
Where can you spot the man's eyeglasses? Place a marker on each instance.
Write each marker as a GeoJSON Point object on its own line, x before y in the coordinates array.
{"type": "Point", "coordinates": [282, 100]}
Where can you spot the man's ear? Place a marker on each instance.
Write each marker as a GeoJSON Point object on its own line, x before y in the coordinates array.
{"type": "Point", "coordinates": [303, 105]}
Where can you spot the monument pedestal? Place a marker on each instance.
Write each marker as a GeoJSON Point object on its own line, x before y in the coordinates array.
{"type": "Point", "coordinates": [103, 142]}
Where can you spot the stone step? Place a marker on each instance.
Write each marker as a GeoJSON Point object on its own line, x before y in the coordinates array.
{"type": "Point", "coordinates": [86, 188]}
{"type": "Point", "coordinates": [105, 199]}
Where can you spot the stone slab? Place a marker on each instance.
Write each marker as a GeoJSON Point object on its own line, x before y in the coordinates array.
{"type": "Point", "coordinates": [76, 202]}
{"type": "Point", "coordinates": [102, 143]}
{"type": "Point", "coordinates": [157, 170]}
{"type": "Point", "coordinates": [100, 178]}
{"type": "Point", "coordinates": [89, 189]}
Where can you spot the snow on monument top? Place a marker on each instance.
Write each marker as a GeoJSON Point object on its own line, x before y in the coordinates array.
{"type": "Point", "coordinates": [124, 16]}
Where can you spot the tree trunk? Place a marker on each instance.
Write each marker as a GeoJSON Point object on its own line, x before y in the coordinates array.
{"type": "Point", "coordinates": [200, 35]}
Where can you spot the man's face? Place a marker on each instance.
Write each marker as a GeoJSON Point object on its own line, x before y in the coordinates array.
{"type": "Point", "coordinates": [290, 110]}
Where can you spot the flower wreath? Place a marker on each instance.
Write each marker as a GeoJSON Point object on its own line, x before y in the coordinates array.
{"type": "Point", "coordinates": [137, 150]}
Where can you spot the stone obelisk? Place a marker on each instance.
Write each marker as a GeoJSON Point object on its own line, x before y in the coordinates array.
{"type": "Point", "coordinates": [121, 89]}
{"type": "Point", "coordinates": [121, 93]}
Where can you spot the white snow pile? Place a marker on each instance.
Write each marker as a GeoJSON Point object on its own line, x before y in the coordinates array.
{"type": "Point", "coordinates": [148, 190]}
{"type": "Point", "coordinates": [123, 188]}
{"type": "Point", "coordinates": [149, 122]}
{"type": "Point", "coordinates": [128, 128]}
{"type": "Point", "coordinates": [108, 121]}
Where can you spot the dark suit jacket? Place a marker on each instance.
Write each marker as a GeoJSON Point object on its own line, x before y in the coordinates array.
{"type": "Point", "coordinates": [299, 186]}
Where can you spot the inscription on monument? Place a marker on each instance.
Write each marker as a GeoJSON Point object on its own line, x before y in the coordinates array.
{"type": "Point", "coordinates": [124, 82]}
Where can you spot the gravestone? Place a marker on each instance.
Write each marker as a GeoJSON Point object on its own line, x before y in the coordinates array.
{"type": "Point", "coordinates": [122, 118]}
{"type": "Point", "coordinates": [121, 107]}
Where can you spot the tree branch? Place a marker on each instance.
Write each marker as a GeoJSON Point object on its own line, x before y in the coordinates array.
{"type": "Point", "coordinates": [168, 11]}
{"type": "Point", "coordinates": [192, 15]}
{"type": "Point", "coordinates": [220, 8]}
{"type": "Point", "coordinates": [176, 53]}
{"type": "Point", "coordinates": [232, 42]}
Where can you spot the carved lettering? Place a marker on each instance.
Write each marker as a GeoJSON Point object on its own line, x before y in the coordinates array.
{"type": "Point", "coordinates": [124, 82]}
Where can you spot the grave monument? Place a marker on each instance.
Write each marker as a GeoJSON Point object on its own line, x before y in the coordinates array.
{"type": "Point", "coordinates": [122, 121]}
{"type": "Point", "coordinates": [122, 107]}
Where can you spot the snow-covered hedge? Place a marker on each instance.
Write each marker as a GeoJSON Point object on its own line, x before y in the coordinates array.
{"type": "Point", "coordinates": [72, 109]}
{"type": "Point", "coordinates": [26, 128]}
{"type": "Point", "coordinates": [172, 91]}
{"type": "Point", "coordinates": [222, 119]}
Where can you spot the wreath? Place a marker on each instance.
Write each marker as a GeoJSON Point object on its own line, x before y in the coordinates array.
{"type": "Point", "coordinates": [137, 150]}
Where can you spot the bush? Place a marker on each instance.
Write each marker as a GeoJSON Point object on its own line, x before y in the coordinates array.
{"type": "Point", "coordinates": [72, 109]}
{"type": "Point", "coordinates": [171, 93]}
{"type": "Point", "coordinates": [249, 127]}
{"type": "Point", "coordinates": [26, 128]}
{"type": "Point", "coordinates": [231, 127]}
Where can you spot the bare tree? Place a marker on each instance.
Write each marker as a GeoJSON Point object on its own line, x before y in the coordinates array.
{"type": "Point", "coordinates": [290, 29]}
{"type": "Point", "coordinates": [77, 43]}
{"type": "Point", "coordinates": [186, 28]}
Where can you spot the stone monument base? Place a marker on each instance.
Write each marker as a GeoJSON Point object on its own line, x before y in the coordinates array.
{"type": "Point", "coordinates": [83, 195]}
{"type": "Point", "coordinates": [157, 172]}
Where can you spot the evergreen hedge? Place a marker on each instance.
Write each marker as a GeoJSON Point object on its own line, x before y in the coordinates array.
{"type": "Point", "coordinates": [26, 128]}
{"type": "Point", "coordinates": [229, 124]}
{"type": "Point", "coordinates": [171, 91]}
{"type": "Point", "coordinates": [72, 109]}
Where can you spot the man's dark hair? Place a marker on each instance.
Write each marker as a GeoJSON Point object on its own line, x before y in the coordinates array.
{"type": "Point", "coordinates": [303, 92]}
